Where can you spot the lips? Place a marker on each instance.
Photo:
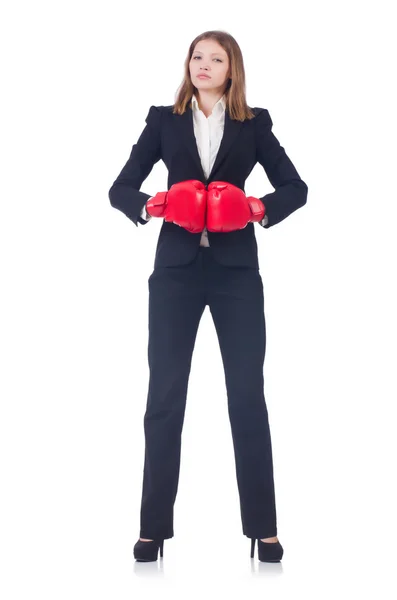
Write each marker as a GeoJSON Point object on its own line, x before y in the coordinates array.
{"type": "Point", "coordinates": [202, 76]}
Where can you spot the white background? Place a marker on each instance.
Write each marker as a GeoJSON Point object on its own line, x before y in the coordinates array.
{"type": "Point", "coordinates": [78, 80]}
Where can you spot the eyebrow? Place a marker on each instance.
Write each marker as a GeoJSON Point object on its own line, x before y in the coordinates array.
{"type": "Point", "coordinates": [213, 53]}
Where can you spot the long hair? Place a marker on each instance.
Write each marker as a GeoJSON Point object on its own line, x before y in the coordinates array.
{"type": "Point", "coordinates": [236, 103]}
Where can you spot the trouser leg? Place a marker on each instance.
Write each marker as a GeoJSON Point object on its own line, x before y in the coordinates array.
{"type": "Point", "coordinates": [176, 304]}
{"type": "Point", "coordinates": [237, 306]}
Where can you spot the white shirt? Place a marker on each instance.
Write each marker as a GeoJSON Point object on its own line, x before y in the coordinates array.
{"type": "Point", "coordinates": [208, 132]}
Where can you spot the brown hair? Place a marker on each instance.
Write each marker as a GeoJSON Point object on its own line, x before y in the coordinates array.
{"type": "Point", "coordinates": [236, 103]}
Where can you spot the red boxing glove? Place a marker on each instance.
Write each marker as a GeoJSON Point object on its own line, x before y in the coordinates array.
{"type": "Point", "coordinates": [184, 204]}
{"type": "Point", "coordinates": [229, 209]}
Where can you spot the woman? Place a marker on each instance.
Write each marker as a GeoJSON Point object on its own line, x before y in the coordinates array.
{"type": "Point", "coordinates": [206, 254]}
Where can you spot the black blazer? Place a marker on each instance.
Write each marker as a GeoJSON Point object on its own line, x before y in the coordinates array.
{"type": "Point", "coordinates": [170, 137]}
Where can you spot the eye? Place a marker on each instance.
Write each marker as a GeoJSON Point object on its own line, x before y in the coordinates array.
{"type": "Point", "coordinates": [214, 58]}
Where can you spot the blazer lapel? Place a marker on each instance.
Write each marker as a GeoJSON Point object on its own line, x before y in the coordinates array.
{"type": "Point", "coordinates": [185, 127]}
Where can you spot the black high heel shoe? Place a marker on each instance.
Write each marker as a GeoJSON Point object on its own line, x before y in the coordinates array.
{"type": "Point", "coordinates": [147, 551]}
{"type": "Point", "coordinates": [267, 551]}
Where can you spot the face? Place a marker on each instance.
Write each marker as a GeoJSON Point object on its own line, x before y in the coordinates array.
{"type": "Point", "coordinates": [209, 58]}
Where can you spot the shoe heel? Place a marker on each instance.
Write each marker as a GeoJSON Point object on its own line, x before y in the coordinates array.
{"type": "Point", "coordinates": [267, 551]}
{"type": "Point", "coordinates": [148, 551]}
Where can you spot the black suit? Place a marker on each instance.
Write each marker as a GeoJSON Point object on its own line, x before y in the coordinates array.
{"type": "Point", "coordinates": [188, 277]}
{"type": "Point", "coordinates": [171, 138]}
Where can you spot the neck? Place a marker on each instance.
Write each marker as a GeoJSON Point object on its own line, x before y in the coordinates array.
{"type": "Point", "coordinates": [207, 100]}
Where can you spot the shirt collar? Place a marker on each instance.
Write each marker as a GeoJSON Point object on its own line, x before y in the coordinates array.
{"type": "Point", "coordinates": [219, 107]}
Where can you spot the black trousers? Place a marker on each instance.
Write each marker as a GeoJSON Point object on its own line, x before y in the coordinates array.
{"type": "Point", "coordinates": [178, 296]}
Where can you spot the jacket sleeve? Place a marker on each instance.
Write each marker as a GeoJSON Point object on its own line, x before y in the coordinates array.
{"type": "Point", "coordinates": [124, 193]}
{"type": "Point", "coordinates": [290, 191]}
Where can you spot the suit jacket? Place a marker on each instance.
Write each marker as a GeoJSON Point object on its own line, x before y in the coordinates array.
{"type": "Point", "coordinates": [170, 137]}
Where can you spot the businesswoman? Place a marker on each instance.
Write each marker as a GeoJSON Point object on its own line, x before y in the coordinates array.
{"type": "Point", "coordinates": [206, 254]}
